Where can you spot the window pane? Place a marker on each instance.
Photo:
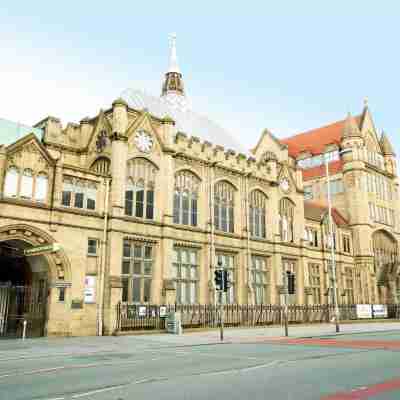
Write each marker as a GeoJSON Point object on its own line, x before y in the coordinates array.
{"type": "Point", "coordinates": [27, 184]}
{"type": "Point", "coordinates": [193, 257]}
{"type": "Point", "coordinates": [79, 200]}
{"type": "Point", "coordinates": [176, 207]}
{"type": "Point", "coordinates": [126, 267]}
{"type": "Point", "coordinates": [125, 283]}
{"type": "Point", "coordinates": [137, 267]}
{"type": "Point", "coordinates": [193, 297]}
{"type": "Point", "coordinates": [231, 223]}
{"type": "Point", "coordinates": [194, 212]}
{"type": "Point", "coordinates": [66, 198]}
{"type": "Point", "coordinates": [139, 203]}
{"type": "Point", "coordinates": [91, 204]}
{"type": "Point", "coordinates": [147, 287]}
{"type": "Point", "coordinates": [136, 290]}
{"type": "Point", "coordinates": [150, 204]}
{"type": "Point", "coordinates": [127, 249]}
{"type": "Point", "coordinates": [147, 267]}
{"type": "Point", "coordinates": [11, 182]}
{"type": "Point", "coordinates": [138, 251]}
{"type": "Point", "coordinates": [129, 202]}
{"type": "Point", "coordinates": [185, 208]}
{"type": "Point", "coordinates": [91, 198]}
{"type": "Point", "coordinates": [147, 252]}
{"type": "Point", "coordinates": [92, 246]}
{"type": "Point", "coordinates": [41, 188]}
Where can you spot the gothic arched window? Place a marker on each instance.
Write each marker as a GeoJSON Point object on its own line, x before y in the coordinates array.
{"type": "Point", "coordinates": [41, 187]}
{"type": "Point", "coordinates": [139, 194]}
{"type": "Point", "coordinates": [11, 182]}
{"type": "Point", "coordinates": [101, 166]}
{"type": "Point", "coordinates": [257, 211]}
{"type": "Point", "coordinates": [385, 254]}
{"type": "Point", "coordinates": [223, 206]}
{"type": "Point", "coordinates": [186, 193]}
{"type": "Point", "coordinates": [286, 216]}
{"type": "Point", "coordinates": [27, 184]}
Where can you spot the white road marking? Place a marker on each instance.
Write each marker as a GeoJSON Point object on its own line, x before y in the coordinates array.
{"type": "Point", "coordinates": [108, 389]}
{"type": "Point", "coordinates": [76, 366]}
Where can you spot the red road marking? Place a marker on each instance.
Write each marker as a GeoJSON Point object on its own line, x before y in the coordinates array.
{"type": "Point", "coordinates": [366, 392]}
{"type": "Point", "coordinates": [360, 344]}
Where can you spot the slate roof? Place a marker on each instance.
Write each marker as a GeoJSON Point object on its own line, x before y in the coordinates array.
{"type": "Point", "coordinates": [316, 210]}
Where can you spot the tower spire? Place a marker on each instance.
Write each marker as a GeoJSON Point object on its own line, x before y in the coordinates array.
{"type": "Point", "coordinates": [173, 83]}
{"type": "Point", "coordinates": [173, 59]}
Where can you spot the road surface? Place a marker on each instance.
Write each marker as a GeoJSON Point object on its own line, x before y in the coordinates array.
{"type": "Point", "coordinates": [363, 362]}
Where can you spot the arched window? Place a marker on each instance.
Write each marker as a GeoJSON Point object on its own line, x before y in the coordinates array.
{"type": "Point", "coordinates": [385, 255]}
{"type": "Point", "coordinates": [11, 182]}
{"type": "Point", "coordinates": [27, 184]}
{"type": "Point", "coordinates": [257, 214]}
{"type": "Point", "coordinates": [223, 206]}
{"type": "Point", "coordinates": [41, 187]}
{"type": "Point", "coordinates": [185, 198]}
{"type": "Point", "coordinates": [101, 166]}
{"type": "Point", "coordinates": [286, 214]}
{"type": "Point", "coordinates": [139, 194]}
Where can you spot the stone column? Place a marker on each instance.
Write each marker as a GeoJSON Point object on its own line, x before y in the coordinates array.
{"type": "Point", "coordinates": [119, 154]}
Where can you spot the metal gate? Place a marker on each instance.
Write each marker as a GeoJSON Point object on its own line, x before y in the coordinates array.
{"type": "Point", "coordinates": [19, 304]}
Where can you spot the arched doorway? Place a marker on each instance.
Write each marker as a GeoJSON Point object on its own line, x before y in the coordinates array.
{"type": "Point", "coordinates": [385, 265]}
{"type": "Point", "coordinates": [23, 290]}
{"type": "Point", "coordinates": [29, 285]}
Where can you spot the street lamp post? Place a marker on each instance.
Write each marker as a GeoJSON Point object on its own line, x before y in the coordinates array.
{"type": "Point", "coordinates": [333, 260]}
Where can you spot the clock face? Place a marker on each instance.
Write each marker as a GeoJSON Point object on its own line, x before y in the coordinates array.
{"type": "Point", "coordinates": [143, 141]}
{"type": "Point", "coordinates": [284, 184]}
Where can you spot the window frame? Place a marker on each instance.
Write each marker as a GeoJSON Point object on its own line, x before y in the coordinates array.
{"type": "Point", "coordinates": [130, 278]}
{"type": "Point", "coordinates": [185, 281]}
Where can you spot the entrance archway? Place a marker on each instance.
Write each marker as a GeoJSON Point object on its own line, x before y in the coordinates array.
{"type": "Point", "coordinates": [25, 282]}
{"type": "Point", "coordinates": [386, 264]}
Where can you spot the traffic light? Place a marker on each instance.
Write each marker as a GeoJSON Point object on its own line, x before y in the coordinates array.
{"type": "Point", "coordinates": [219, 284]}
{"type": "Point", "coordinates": [291, 282]}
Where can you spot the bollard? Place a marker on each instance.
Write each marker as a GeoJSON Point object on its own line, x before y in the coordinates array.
{"type": "Point", "coordinates": [24, 330]}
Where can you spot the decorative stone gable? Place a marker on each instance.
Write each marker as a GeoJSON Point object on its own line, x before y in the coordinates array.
{"type": "Point", "coordinates": [29, 154]}
{"type": "Point", "coordinates": [143, 136]}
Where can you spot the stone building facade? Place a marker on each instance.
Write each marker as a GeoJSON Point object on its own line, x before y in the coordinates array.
{"type": "Point", "coordinates": [144, 212]}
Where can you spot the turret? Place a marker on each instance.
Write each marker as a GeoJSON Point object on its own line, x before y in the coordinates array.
{"type": "Point", "coordinates": [388, 154]}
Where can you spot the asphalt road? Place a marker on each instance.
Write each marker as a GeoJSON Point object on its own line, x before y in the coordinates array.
{"type": "Point", "coordinates": [252, 364]}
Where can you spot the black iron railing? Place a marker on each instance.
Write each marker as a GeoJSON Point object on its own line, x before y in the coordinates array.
{"type": "Point", "coordinates": [132, 317]}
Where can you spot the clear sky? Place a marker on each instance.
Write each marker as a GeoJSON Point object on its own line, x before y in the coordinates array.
{"type": "Point", "coordinates": [284, 65]}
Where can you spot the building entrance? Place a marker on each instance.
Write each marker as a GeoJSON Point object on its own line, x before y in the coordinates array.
{"type": "Point", "coordinates": [23, 291]}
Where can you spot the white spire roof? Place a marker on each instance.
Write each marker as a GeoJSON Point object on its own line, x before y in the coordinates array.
{"type": "Point", "coordinates": [173, 59]}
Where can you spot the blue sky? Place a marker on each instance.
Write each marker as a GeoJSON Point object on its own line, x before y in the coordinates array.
{"type": "Point", "coordinates": [288, 66]}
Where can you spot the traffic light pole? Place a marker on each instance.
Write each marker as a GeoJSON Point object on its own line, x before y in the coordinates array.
{"type": "Point", "coordinates": [221, 314]}
{"type": "Point", "coordinates": [285, 311]}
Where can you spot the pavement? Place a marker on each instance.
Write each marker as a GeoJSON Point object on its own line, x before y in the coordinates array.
{"type": "Point", "coordinates": [361, 362]}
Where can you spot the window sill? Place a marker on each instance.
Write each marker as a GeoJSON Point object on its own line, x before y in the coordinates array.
{"type": "Point", "coordinates": [24, 202]}
{"type": "Point", "coordinates": [79, 211]}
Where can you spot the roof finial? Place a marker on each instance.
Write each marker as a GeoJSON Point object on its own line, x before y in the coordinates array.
{"type": "Point", "coordinates": [173, 60]}
{"type": "Point", "coordinates": [365, 101]}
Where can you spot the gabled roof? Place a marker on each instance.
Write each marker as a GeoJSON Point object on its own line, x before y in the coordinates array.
{"type": "Point", "coordinates": [316, 210]}
{"type": "Point", "coordinates": [315, 140]}
{"type": "Point", "coordinates": [11, 131]}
